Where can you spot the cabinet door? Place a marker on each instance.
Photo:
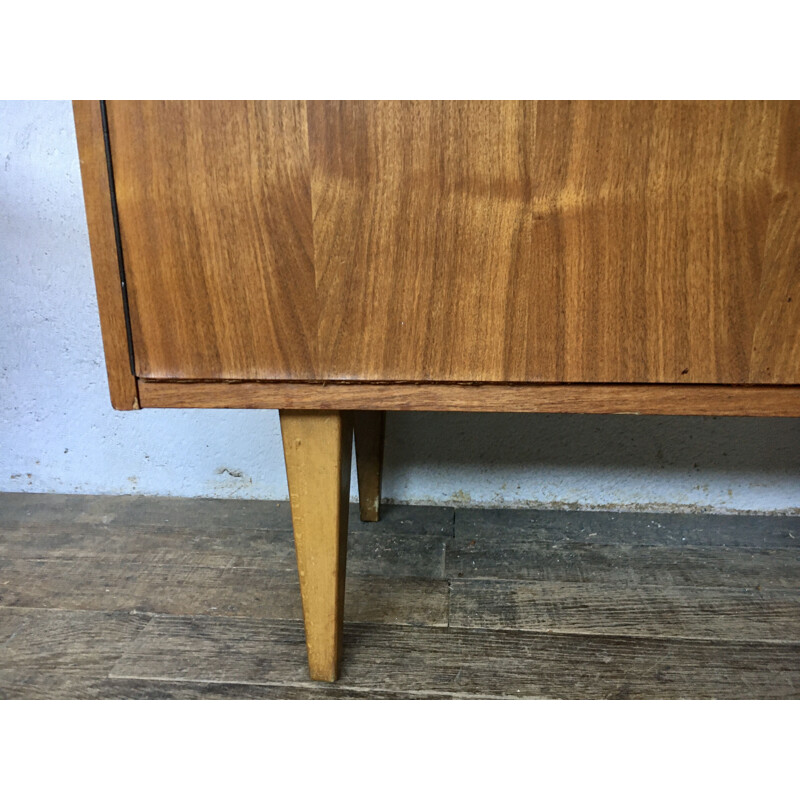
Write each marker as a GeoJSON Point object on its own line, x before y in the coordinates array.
{"type": "Point", "coordinates": [215, 219]}
{"type": "Point", "coordinates": [579, 242]}
{"type": "Point", "coordinates": [462, 241]}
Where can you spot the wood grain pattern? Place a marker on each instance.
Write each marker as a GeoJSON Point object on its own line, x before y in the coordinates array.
{"type": "Point", "coordinates": [213, 520]}
{"type": "Point", "coordinates": [634, 613]}
{"type": "Point", "coordinates": [41, 686]}
{"type": "Point", "coordinates": [317, 446]}
{"type": "Point", "coordinates": [551, 241]}
{"type": "Point", "coordinates": [97, 199]}
{"type": "Point", "coordinates": [589, 242]}
{"type": "Point", "coordinates": [544, 528]}
{"type": "Point", "coordinates": [98, 582]}
{"type": "Point", "coordinates": [776, 339]}
{"type": "Point", "coordinates": [523, 558]}
{"type": "Point", "coordinates": [369, 428]}
{"type": "Point", "coordinates": [455, 660]}
{"type": "Point", "coordinates": [52, 652]}
{"type": "Point", "coordinates": [374, 552]}
{"type": "Point", "coordinates": [736, 401]}
{"type": "Point", "coordinates": [215, 208]}
{"type": "Point", "coordinates": [685, 612]}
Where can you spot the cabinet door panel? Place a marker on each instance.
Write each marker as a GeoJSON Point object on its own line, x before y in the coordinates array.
{"type": "Point", "coordinates": [215, 217]}
{"type": "Point", "coordinates": [776, 341]}
{"type": "Point", "coordinates": [622, 242]}
{"type": "Point", "coordinates": [579, 242]}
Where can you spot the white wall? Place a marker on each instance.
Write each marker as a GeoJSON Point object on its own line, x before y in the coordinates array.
{"type": "Point", "coordinates": [58, 432]}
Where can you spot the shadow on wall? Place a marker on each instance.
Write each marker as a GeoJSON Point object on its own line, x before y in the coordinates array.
{"type": "Point", "coordinates": [690, 453]}
{"type": "Point", "coordinates": [746, 444]}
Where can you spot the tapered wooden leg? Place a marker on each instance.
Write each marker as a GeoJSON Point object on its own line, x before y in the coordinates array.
{"type": "Point", "coordinates": [369, 430]}
{"type": "Point", "coordinates": [317, 446]}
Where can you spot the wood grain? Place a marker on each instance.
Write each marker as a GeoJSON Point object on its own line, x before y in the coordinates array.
{"type": "Point", "coordinates": [215, 208]}
{"type": "Point", "coordinates": [52, 653]}
{"type": "Point", "coordinates": [582, 604]}
{"type": "Point", "coordinates": [41, 686]}
{"type": "Point", "coordinates": [374, 552]}
{"type": "Point", "coordinates": [99, 582]}
{"type": "Point", "coordinates": [685, 612]}
{"type": "Point", "coordinates": [368, 429]}
{"type": "Point", "coordinates": [456, 660]}
{"type": "Point", "coordinates": [736, 401]}
{"type": "Point", "coordinates": [776, 344]}
{"type": "Point", "coordinates": [544, 528]}
{"type": "Point", "coordinates": [547, 241]}
{"type": "Point", "coordinates": [544, 242]}
{"type": "Point", "coordinates": [317, 446]}
{"type": "Point", "coordinates": [523, 558]}
{"type": "Point", "coordinates": [215, 520]}
{"type": "Point", "coordinates": [97, 199]}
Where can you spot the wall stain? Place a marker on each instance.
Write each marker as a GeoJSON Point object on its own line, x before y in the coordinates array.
{"type": "Point", "coordinates": [234, 473]}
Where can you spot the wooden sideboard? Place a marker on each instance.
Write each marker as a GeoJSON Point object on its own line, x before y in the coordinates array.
{"type": "Point", "coordinates": [335, 260]}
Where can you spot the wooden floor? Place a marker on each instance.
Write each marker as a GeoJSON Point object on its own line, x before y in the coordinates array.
{"type": "Point", "coordinates": [122, 597]}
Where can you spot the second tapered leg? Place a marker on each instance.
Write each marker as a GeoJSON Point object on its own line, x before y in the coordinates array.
{"type": "Point", "coordinates": [369, 430]}
{"type": "Point", "coordinates": [317, 446]}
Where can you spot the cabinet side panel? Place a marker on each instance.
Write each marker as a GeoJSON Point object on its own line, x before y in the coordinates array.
{"type": "Point", "coordinates": [97, 197]}
{"type": "Point", "coordinates": [215, 216]}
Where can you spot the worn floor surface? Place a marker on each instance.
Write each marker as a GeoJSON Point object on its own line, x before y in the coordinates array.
{"type": "Point", "coordinates": [130, 597]}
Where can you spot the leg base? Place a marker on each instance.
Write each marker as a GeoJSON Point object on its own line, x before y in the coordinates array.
{"type": "Point", "coordinates": [317, 449]}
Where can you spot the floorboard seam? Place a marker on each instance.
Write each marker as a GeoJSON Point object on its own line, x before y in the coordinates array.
{"type": "Point", "coordinates": [626, 636]}
{"type": "Point", "coordinates": [755, 588]}
{"type": "Point", "coordinates": [339, 685]}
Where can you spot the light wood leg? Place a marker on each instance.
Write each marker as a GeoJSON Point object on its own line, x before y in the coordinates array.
{"type": "Point", "coordinates": [317, 446]}
{"type": "Point", "coordinates": [369, 430]}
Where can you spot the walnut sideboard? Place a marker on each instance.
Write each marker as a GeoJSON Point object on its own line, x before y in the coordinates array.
{"type": "Point", "coordinates": [335, 260]}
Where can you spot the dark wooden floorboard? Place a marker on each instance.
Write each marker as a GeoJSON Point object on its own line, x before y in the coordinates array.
{"type": "Point", "coordinates": [60, 653]}
{"type": "Point", "coordinates": [369, 552]}
{"type": "Point", "coordinates": [457, 660]}
{"type": "Point", "coordinates": [605, 527]}
{"type": "Point", "coordinates": [137, 597]}
{"type": "Point", "coordinates": [517, 557]}
{"type": "Point", "coordinates": [114, 584]}
{"type": "Point", "coordinates": [200, 515]}
{"type": "Point", "coordinates": [42, 687]}
{"type": "Point", "coordinates": [687, 612]}
{"type": "Point", "coordinates": [196, 690]}
{"type": "Point", "coordinates": [159, 545]}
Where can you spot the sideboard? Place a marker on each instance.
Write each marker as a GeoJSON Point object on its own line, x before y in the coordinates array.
{"type": "Point", "coordinates": [335, 260]}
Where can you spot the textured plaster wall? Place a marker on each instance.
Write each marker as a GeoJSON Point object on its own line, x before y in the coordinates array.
{"type": "Point", "coordinates": [58, 432]}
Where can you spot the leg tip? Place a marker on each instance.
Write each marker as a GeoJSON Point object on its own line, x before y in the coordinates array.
{"type": "Point", "coordinates": [324, 675]}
